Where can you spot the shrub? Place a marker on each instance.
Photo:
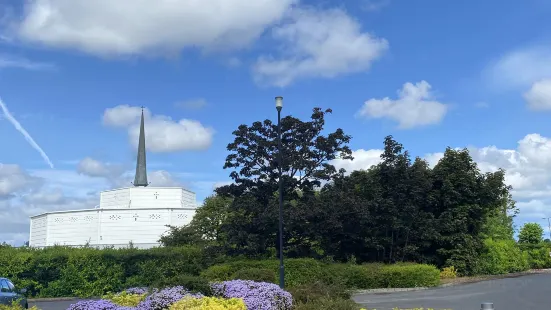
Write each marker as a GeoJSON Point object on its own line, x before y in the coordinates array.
{"type": "Point", "coordinates": [87, 272]}
{"type": "Point", "coordinates": [125, 299]}
{"type": "Point", "coordinates": [448, 273]}
{"type": "Point", "coordinates": [255, 274]}
{"type": "Point", "coordinates": [501, 257]}
{"type": "Point", "coordinates": [401, 276]}
{"type": "Point", "coordinates": [297, 271]}
{"type": "Point", "coordinates": [209, 303]}
{"type": "Point", "coordinates": [537, 255]}
{"type": "Point", "coordinates": [193, 283]}
{"type": "Point", "coordinates": [256, 295]}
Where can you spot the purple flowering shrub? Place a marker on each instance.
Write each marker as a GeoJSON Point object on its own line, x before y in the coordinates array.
{"type": "Point", "coordinates": [256, 295]}
{"type": "Point", "coordinates": [158, 300]}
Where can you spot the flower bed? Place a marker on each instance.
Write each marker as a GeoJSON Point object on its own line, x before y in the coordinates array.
{"type": "Point", "coordinates": [228, 295]}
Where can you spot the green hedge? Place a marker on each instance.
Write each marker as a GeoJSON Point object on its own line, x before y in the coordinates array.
{"type": "Point", "coordinates": [86, 272]}
{"type": "Point", "coordinates": [502, 257]}
{"type": "Point", "coordinates": [306, 271]}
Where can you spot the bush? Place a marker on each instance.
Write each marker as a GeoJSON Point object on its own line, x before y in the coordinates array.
{"type": "Point", "coordinates": [209, 303]}
{"type": "Point", "coordinates": [195, 284]}
{"type": "Point", "coordinates": [537, 255]}
{"type": "Point", "coordinates": [501, 257]}
{"type": "Point", "coordinates": [125, 299]}
{"type": "Point", "coordinates": [255, 274]}
{"type": "Point", "coordinates": [448, 273]}
{"type": "Point", "coordinates": [87, 272]}
{"type": "Point", "coordinates": [256, 295]}
{"type": "Point", "coordinates": [297, 271]}
{"type": "Point", "coordinates": [396, 276]}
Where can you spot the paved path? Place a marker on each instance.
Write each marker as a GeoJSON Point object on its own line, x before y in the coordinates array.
{"type": "Point", "coordinates": [527, 292]}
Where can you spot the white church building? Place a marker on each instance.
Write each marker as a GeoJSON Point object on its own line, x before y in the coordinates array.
{"type": "Point", "coordinates": [137, 215]}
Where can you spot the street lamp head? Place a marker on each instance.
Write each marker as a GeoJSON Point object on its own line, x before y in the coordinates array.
{"type": "Point", "coordinates": [279, 102]}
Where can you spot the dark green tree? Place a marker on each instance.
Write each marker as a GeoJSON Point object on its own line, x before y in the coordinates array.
{"type": "Point", "coordinates": [307, 156]}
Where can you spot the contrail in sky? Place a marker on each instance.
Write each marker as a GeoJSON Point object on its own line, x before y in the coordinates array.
{"type": "Point", "coordinates": [25, 134]}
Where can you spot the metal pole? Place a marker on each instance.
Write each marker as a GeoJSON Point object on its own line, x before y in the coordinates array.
{"type": "Point", "coordinates": [280, 165]}
{"type": "Point", "coordinates": [487, 306]}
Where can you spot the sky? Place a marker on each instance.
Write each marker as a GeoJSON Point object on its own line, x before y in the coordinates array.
{"type": "Point", "coordinates": [434, 74]}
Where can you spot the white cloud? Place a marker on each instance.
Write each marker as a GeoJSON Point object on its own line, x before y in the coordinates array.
{"type": "Point", "coordinates": [137, 27]}
{"type": "Point", "coordinates": [316, 43]}
{"type": "Point", "coordinates": [414, 107]}
{"type": "Point", "coordinates": [363, 159]}
{"type": "Point", "coordinates": [10, 61]}
{"type": "Point", "coordinates": [539, 95]}
{"type": "Point", "coordinates": [162, 134]}
{"type": "Point", "coordinates": [94, 168]}
{"type": "Point", "coordinates": [520, 68]}
{"type": "Point", "coordinates": [13, 179]}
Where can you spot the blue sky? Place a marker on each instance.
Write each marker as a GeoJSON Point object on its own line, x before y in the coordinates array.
{"type": "Point", "coordinates": [66, 65]}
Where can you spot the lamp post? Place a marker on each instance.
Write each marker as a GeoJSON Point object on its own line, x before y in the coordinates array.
{"type": "Point", "coordinates": [279, 106]}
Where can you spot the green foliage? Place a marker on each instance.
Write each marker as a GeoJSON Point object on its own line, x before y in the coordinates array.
{"type": "Point", "coordinates": [256, 274]}
{"type": "Point", "coordinates": [501, 257]}
{"type": "Point", "coordinates": [537, 254]}
{"type": "Point", "coordinates": [125, 299]}
{"type": "Point", "coordinates": [531, 233]}
{"type": "Point", "coordinates": [300, 272]}
{"type": "Point", "coordinates": [193, 283]}
{"type": "Point", "coordinates": [87, 272]}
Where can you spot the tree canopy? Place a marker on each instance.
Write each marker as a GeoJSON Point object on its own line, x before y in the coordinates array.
{"type": "Point", "coordinates": [401, 209]}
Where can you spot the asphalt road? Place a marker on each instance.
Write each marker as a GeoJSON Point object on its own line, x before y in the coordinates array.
{"type": "Point", "coordinates": [531, 292]}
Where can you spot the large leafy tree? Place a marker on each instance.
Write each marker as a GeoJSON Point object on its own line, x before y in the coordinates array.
{"type": "Point", "coordinates": [307, 155]}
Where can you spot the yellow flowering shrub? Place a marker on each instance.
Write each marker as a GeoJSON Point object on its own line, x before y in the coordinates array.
{"type": "Point", "coordinates": [448, 273]}
{"type": "Point", "coordinates": [125, 299]}
{"type": "Point", "coordinates": [209, 303]}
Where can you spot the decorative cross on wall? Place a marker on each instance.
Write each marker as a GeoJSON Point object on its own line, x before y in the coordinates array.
{"type": "Point", "coordinates": [135, 216]}
{"type": "Point", "coordinates": [156, 195]}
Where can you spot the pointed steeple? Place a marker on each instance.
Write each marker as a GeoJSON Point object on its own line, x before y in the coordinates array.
{"type": "Point", "coordinates": [141, 169]}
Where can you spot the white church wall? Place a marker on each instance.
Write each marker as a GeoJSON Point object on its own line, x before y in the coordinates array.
{"type": "Point", "coordinates": [39, 229]}
{"type": "Point", "coordinates": [107, 227]}
{"type": "Point", "coordinates": [72, 228]}
{"type": "Point", "coordinates": [117, 198]}
{"type": "Point", "coordinates": [147, 197]}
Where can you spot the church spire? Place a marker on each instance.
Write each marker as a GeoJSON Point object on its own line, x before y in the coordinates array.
{"type": "Point", "coordinates": [141, 170]}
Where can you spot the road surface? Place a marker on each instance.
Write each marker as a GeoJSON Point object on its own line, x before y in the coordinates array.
{"type": "Point", "coordinates": [526, 292]}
